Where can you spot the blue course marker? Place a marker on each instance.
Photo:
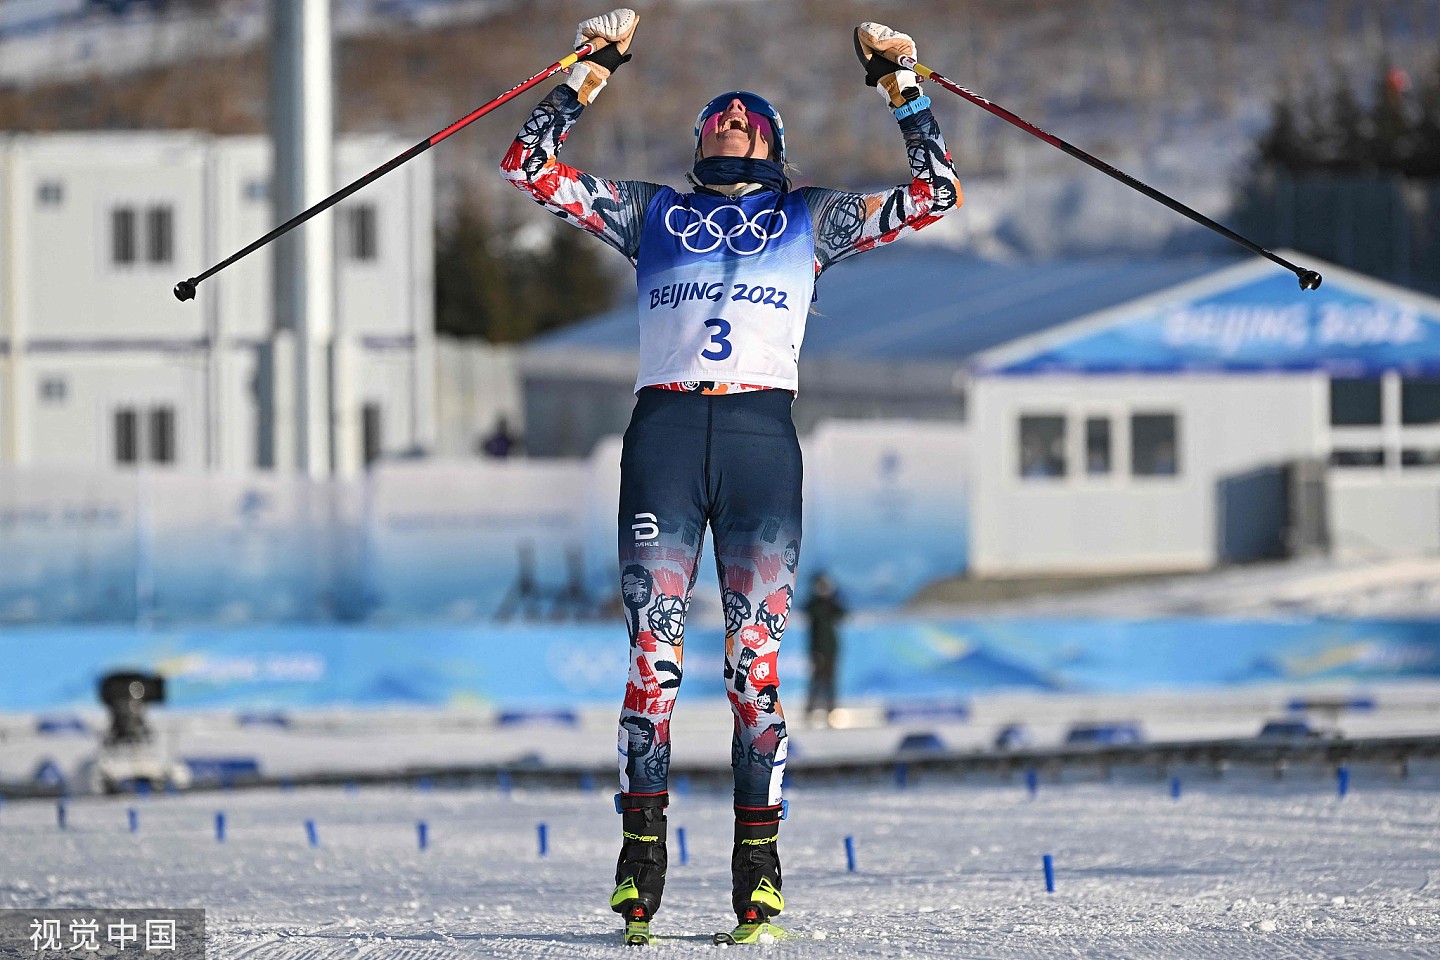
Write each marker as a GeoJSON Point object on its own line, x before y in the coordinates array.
{"type": "Point", "coordinates": [60, 814]}
{"type": "Point", "coordinates": [1174, 788]}
{"type": "Point", "coordinates": [1049, 865]}
{"type": "Point", "coordinates": [422, 830]}
{"type": "Point", "coordinates": [850, 854]}
{"type": "Point", "coordinates": [219, 826]}
{"type": "Point", "coordinates": [587, 782]}
{"type": "Point", "coordinates": [1342, 781]}
{"type": "Point", "coordinates": [424, 784]}
{"type": "Point", "coordinates": [902, 774]}
{"type": "Point", "coordinates": [1032, 781]}
{"type": "Point", "coordinates": [142, 788]}
{"type": "Point", "coordinates": [680, 839]}
{"type": "Point", "coordinates": [505, 782]}
{"type": "Point", "coordinates": [311, 834]}
{"type": "Point", "coordinates": [134, 819]}
{"type": "Point", "coordinates": [542, 832]}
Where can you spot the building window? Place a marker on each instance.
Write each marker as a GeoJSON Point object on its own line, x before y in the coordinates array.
{"type": "Point", "coordinates": [1369, 457]}
{"type": "Point", "coordinates": [1354, 403]}
{"type": "Point", "coordinates": [361, 238]}
{"type": "Point", "coordinates": [50, 193]}
{"type": "Point", "coordinates": [154, 233]}
{"type": "Point", "coordinates": [1097, 446]}
{"type": "Point", "coordinates": [52, 390]}
{"type": "Point", "coordinates": [370, 433]}
{"type": "Point", "coordinates": [162, 434]}
{"type": "Point", "coordinates": [1420, 457]}
{"type": "Point", "coordinates": [122, 235]}
{"type": "Point", "coordinates": [1154, 450]}
{"type": "Point", "coordinates": [127, 436]}
{"type": "Point", "coordinates": [160, 234]}
{"type": "Point", "coordinates": [1042, 446]}
{"type": "Point", "coordinates": [149, 438]}
{"type": "Point", "coordinates": [1419, 402]}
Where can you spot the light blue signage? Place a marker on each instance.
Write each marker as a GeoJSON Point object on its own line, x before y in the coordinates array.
{"type": "Point", "coordinates": [569, 665]}
{"type": "Point", "coordinates": [1264, 325]}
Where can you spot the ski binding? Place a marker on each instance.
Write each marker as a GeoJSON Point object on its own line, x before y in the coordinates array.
{"type": "Point", "coordinates": [637, 934]}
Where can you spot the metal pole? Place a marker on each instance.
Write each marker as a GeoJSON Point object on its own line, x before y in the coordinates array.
{"type": "Point", "coordinates": [302, 125]}
{"type": "Point", "coordinates": [1309, 279]}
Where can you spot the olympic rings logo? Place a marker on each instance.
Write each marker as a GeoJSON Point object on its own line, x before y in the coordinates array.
{"type": "Point", "coordinates": [729, 225]}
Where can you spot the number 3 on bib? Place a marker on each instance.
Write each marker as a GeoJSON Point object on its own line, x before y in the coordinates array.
{"type": "Point", "coordinates": [720, 347]}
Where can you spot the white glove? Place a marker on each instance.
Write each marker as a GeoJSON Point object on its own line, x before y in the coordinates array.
{"type": "Point", "coordinates": [611, 33]}
{"type": "Point", "coordinates": [878, 48]}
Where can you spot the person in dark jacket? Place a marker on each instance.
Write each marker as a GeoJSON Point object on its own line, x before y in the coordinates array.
{"type": "Point", "coordinates": [825, 611]}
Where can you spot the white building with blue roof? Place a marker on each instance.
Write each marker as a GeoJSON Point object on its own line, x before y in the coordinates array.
{"type": "Point", "coordinates": [1228, 418]}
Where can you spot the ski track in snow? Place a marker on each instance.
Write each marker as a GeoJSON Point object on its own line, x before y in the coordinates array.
{"type": "Point", "coordinates": [945, 870]}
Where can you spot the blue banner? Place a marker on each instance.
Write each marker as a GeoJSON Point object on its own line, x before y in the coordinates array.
{"type": "Point", "coordinates": [933, 658]}
{"type": "Point", "coordinates": [530, 666]}
{"type": "Point", "coordinates": [1267, 324]}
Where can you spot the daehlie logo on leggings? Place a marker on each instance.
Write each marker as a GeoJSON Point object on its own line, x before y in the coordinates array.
{"type": "Point", "coordinates": [646, 526]}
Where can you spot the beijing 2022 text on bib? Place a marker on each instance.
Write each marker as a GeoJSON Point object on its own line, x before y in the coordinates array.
{"type": "Point", "coordinates": [724, 288]}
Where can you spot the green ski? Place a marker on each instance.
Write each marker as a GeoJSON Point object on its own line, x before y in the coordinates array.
{"type": "Point", "coordinates": [762, 932]}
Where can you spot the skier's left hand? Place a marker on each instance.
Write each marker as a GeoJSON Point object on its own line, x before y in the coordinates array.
{"type": "Point", "coordinates": [878, 48]}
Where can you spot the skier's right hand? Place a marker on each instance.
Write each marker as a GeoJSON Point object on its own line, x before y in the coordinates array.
{"type": "Point", "coordinates": [611, 33]}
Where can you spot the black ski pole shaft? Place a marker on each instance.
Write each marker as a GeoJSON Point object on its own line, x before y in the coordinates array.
{"type": "Point", "coordinates": [185, 289]}
{"type": "Point", "coordinates": [1309, 279]}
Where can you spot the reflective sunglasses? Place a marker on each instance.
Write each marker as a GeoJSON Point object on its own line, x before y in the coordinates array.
{"type": "Point", "coordinates": [759, 114]}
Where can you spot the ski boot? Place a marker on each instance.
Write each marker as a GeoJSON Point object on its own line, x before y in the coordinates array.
{"type": "Point", "coordinates": [755, 875]}
{"type": "Point", "coordinates": [640, 871]}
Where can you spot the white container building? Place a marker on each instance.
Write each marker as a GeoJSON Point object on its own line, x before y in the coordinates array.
{"type": "Point", "coordinates": [101, 367]}
{"type": "Point", "coordinates": [1226, 419]}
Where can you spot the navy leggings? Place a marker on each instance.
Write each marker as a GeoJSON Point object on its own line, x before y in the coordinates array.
{"type": "Point", "coordinates": [732, 463]}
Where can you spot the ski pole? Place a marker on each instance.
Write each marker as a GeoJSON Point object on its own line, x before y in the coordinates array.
{"type": "Point", "coordinates": [1309, 279]}
{"type": "Point", "coordinates": [185, 289]}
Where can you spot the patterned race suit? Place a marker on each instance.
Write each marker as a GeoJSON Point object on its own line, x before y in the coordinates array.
{"type": "Point", "coordinates": [725, 457]}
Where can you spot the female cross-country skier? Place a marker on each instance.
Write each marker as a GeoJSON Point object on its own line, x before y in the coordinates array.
{"type": "Point", "coordinates": [726, 273]}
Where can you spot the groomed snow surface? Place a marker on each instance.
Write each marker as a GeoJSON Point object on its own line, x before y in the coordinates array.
{"type": "Point", "coordinates": [1241, 866]}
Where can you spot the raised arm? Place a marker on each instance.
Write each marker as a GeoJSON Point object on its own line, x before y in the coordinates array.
{"type": "Point", "coordinates": [848, 223]}
{"type": "Point", "coordinates": [613, 210]}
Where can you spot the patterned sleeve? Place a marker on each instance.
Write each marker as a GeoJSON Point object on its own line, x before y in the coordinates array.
{"type": "Point", "coordinates": [613, 210]}
{"type": "Point", "coordinates": [850, 223]}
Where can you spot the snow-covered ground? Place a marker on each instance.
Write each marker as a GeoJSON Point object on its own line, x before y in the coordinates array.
{"type": "Point", "coordinates": [1232, 869]}
{"type": "Point", "coordinates": [1243, 864]}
